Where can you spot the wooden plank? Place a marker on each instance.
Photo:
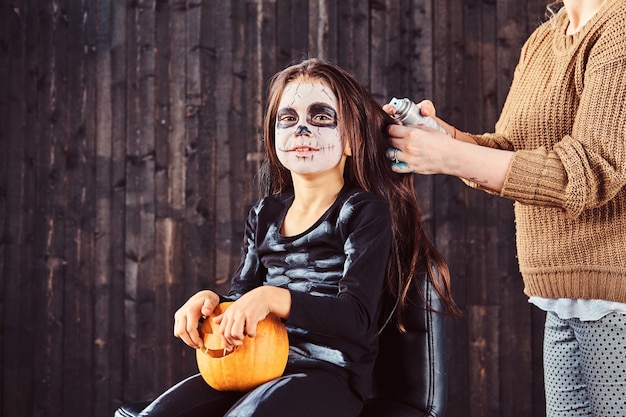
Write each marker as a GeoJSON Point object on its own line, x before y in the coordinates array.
{"type": "Point", "coordinates": [223, 198]}
{"type": "Point", "coordinates": [193, 84]}
{"type": "Point", "coordinates": [268, 49]}
{"type": "Point", "coordinates": [254, 100]}
{"type": "Point", "coordinates": [169, 97]}
{"type": "Point", "coordinates": [473, 70]}
{"type": "Point", "coordinates": [395, 63]}
{"type": "Point", "coordinates": [52, 189]}
{"type": "Point", "coordinates": [169, 137]}
{"type": "Point", "coordinates": [175, 99]}
{"type": "Point", "coordinates": [16, 285]}
{"type": "Point", "coordinates": [101, 80]}
{"type": "Point", "coordinates": [517, 342]}
{"type": "Point", "coordinates": [31, 251]}
{"type": "Point", "coordinates": [418, 44]}
{"type": "Point", "coordinates": [361, 41]}
{"type": "Point", "coordinates": [331, 39]}
{"type": "Point", "coordinates": [417, 40]}
{"type": "Point", "coordinates": [480, 77]}
{"type": "Point", "coordinates": [200, 162]}
{"type": "Point", "coordinates": [168, 268]}
{"type": "Point", "coordinates": [326, 33]}
{"type": "Point", "coordinates": [32, 233]}
{"type": "Point", "coordinates": [517, 338]}
{"type": "Point", "coordinates": [131, 258]}
{"type": "Point", "coordinates": [483, 347]}
{"type": "Point", "coordinates": [194, 98]}
{"type": "Point", "coordinates": [5, 71]}
{"type": "Point", "coordinates": [315, 10]}
{"type": "Point", "coordinates": [378, 57]}
{"type": "Point", "coordinates": [448, 60]}
{"type": "Point", "coordinates": [353, 46]}
{"type": "Point", "coordinates": [78, 146]}
{"type": "Point", "coordinates": [241, 140]}
{"type": "Point", "coordinates": [536, 14]}
{"type": "Point", "coordinates": [283, 38]}
{"type": "Point", "coordinates": [299, 24]}
{"type": "Point", "coordinates": [116, 347]}
{"type": "Point", "coordinates": [140, 204]}
{"type": "Point", "coordinates": [450, 194]}
{"type": "Point", "coordinates": [450, 238]}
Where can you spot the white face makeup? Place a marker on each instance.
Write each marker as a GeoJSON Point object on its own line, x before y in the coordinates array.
{"type": "Point", "coordinates": [308, 138]}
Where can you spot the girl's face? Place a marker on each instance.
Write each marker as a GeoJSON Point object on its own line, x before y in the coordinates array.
{"type": "Point", "coordinates": [308, 137]}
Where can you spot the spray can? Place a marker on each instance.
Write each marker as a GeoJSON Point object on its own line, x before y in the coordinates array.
{"type": "Point", "coordinates": [409, 114]}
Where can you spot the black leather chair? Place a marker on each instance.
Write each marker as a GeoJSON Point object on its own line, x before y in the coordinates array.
{"type": "Point", "coordinates": [411, 372]}
{"type": "Point", "coordinates": [410, 376]}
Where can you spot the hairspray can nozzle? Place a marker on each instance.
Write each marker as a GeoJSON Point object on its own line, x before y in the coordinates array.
{"type": "Point", "coordinates": [409, 114]}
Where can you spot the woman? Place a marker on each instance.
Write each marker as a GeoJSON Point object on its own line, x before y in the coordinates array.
{"type": "Point", "coordinates": [559, 151]}
{"type": "Point", "coordinates": [326, 251]}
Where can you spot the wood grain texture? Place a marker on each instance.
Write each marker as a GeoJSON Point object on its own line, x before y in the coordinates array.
{"type": "Point", "coordinates": [131, 140]}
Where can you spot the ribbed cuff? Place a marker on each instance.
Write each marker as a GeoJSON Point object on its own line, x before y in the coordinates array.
{"type": "Point", "coordinates": [536, 177]}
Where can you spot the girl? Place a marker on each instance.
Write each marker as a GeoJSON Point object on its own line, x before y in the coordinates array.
{"type": "Point", "coordinates": [333, 250]}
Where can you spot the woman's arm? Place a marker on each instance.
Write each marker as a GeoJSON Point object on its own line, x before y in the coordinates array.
{"type": "Point", "coordinates": [426, 151]}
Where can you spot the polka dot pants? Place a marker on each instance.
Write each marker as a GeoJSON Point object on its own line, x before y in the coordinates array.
{"type": "Point", "coordinates": [585, 366]}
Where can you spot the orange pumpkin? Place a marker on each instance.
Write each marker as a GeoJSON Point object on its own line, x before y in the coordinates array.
{"type": "Point", "coordinates": [260, 358]}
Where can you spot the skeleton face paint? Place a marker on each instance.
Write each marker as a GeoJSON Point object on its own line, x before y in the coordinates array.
{"type": "Point", "coordinates": [308, 138]}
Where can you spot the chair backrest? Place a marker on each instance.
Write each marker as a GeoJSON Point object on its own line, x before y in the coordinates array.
{"type": "Point", "coordinates": [411, 375]}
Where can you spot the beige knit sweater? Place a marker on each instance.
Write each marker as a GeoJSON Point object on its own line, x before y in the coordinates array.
{"type": "Point", "coordinates": [565, 116]}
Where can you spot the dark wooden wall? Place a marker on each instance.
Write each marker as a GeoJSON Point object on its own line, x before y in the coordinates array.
{"type": "Point", "coordinates": [130, 141]}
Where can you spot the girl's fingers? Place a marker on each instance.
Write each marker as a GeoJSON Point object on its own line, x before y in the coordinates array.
{"type": "Point", "coordinates": [228, 330]}
{"type": "Point", "coordinates": [187, 332]}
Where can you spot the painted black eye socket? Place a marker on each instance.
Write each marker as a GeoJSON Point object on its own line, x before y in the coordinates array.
{"type": "Point", "coordinates": [286, 118]}
{"type": "Point", "coordinates": [322, 115]}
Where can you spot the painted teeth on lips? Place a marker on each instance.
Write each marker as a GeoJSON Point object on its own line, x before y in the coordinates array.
{"type": "Point", "coordinates": [303, 149]}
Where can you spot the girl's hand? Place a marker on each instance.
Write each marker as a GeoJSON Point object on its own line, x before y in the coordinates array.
{"type": "Point", "coordinates": [242, 317]}
{"type": "Point", "coordinates": [187, 316]}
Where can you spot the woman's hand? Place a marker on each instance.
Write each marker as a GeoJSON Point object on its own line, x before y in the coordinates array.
{"type": "Point", "coordinates": [186, 317]}
{"type": "Point", "coordinates": [419, 150]}
{"type": "Point", "coordinates": [427, 151]}
{"type": "Point", "coordinates": [242, 317]}
{"type": "Point", "coordinates": [427, 109]}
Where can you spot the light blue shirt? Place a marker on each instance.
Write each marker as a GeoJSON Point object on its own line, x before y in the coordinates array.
{"type": "Point", "coordinates": [584, 310]}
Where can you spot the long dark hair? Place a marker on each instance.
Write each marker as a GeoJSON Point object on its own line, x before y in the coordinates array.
{"type": "Point", "coordinates": [364, 126]}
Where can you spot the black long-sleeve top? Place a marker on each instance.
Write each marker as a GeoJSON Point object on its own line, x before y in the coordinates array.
{"type": "Point", "coordinates": [335, 272]}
